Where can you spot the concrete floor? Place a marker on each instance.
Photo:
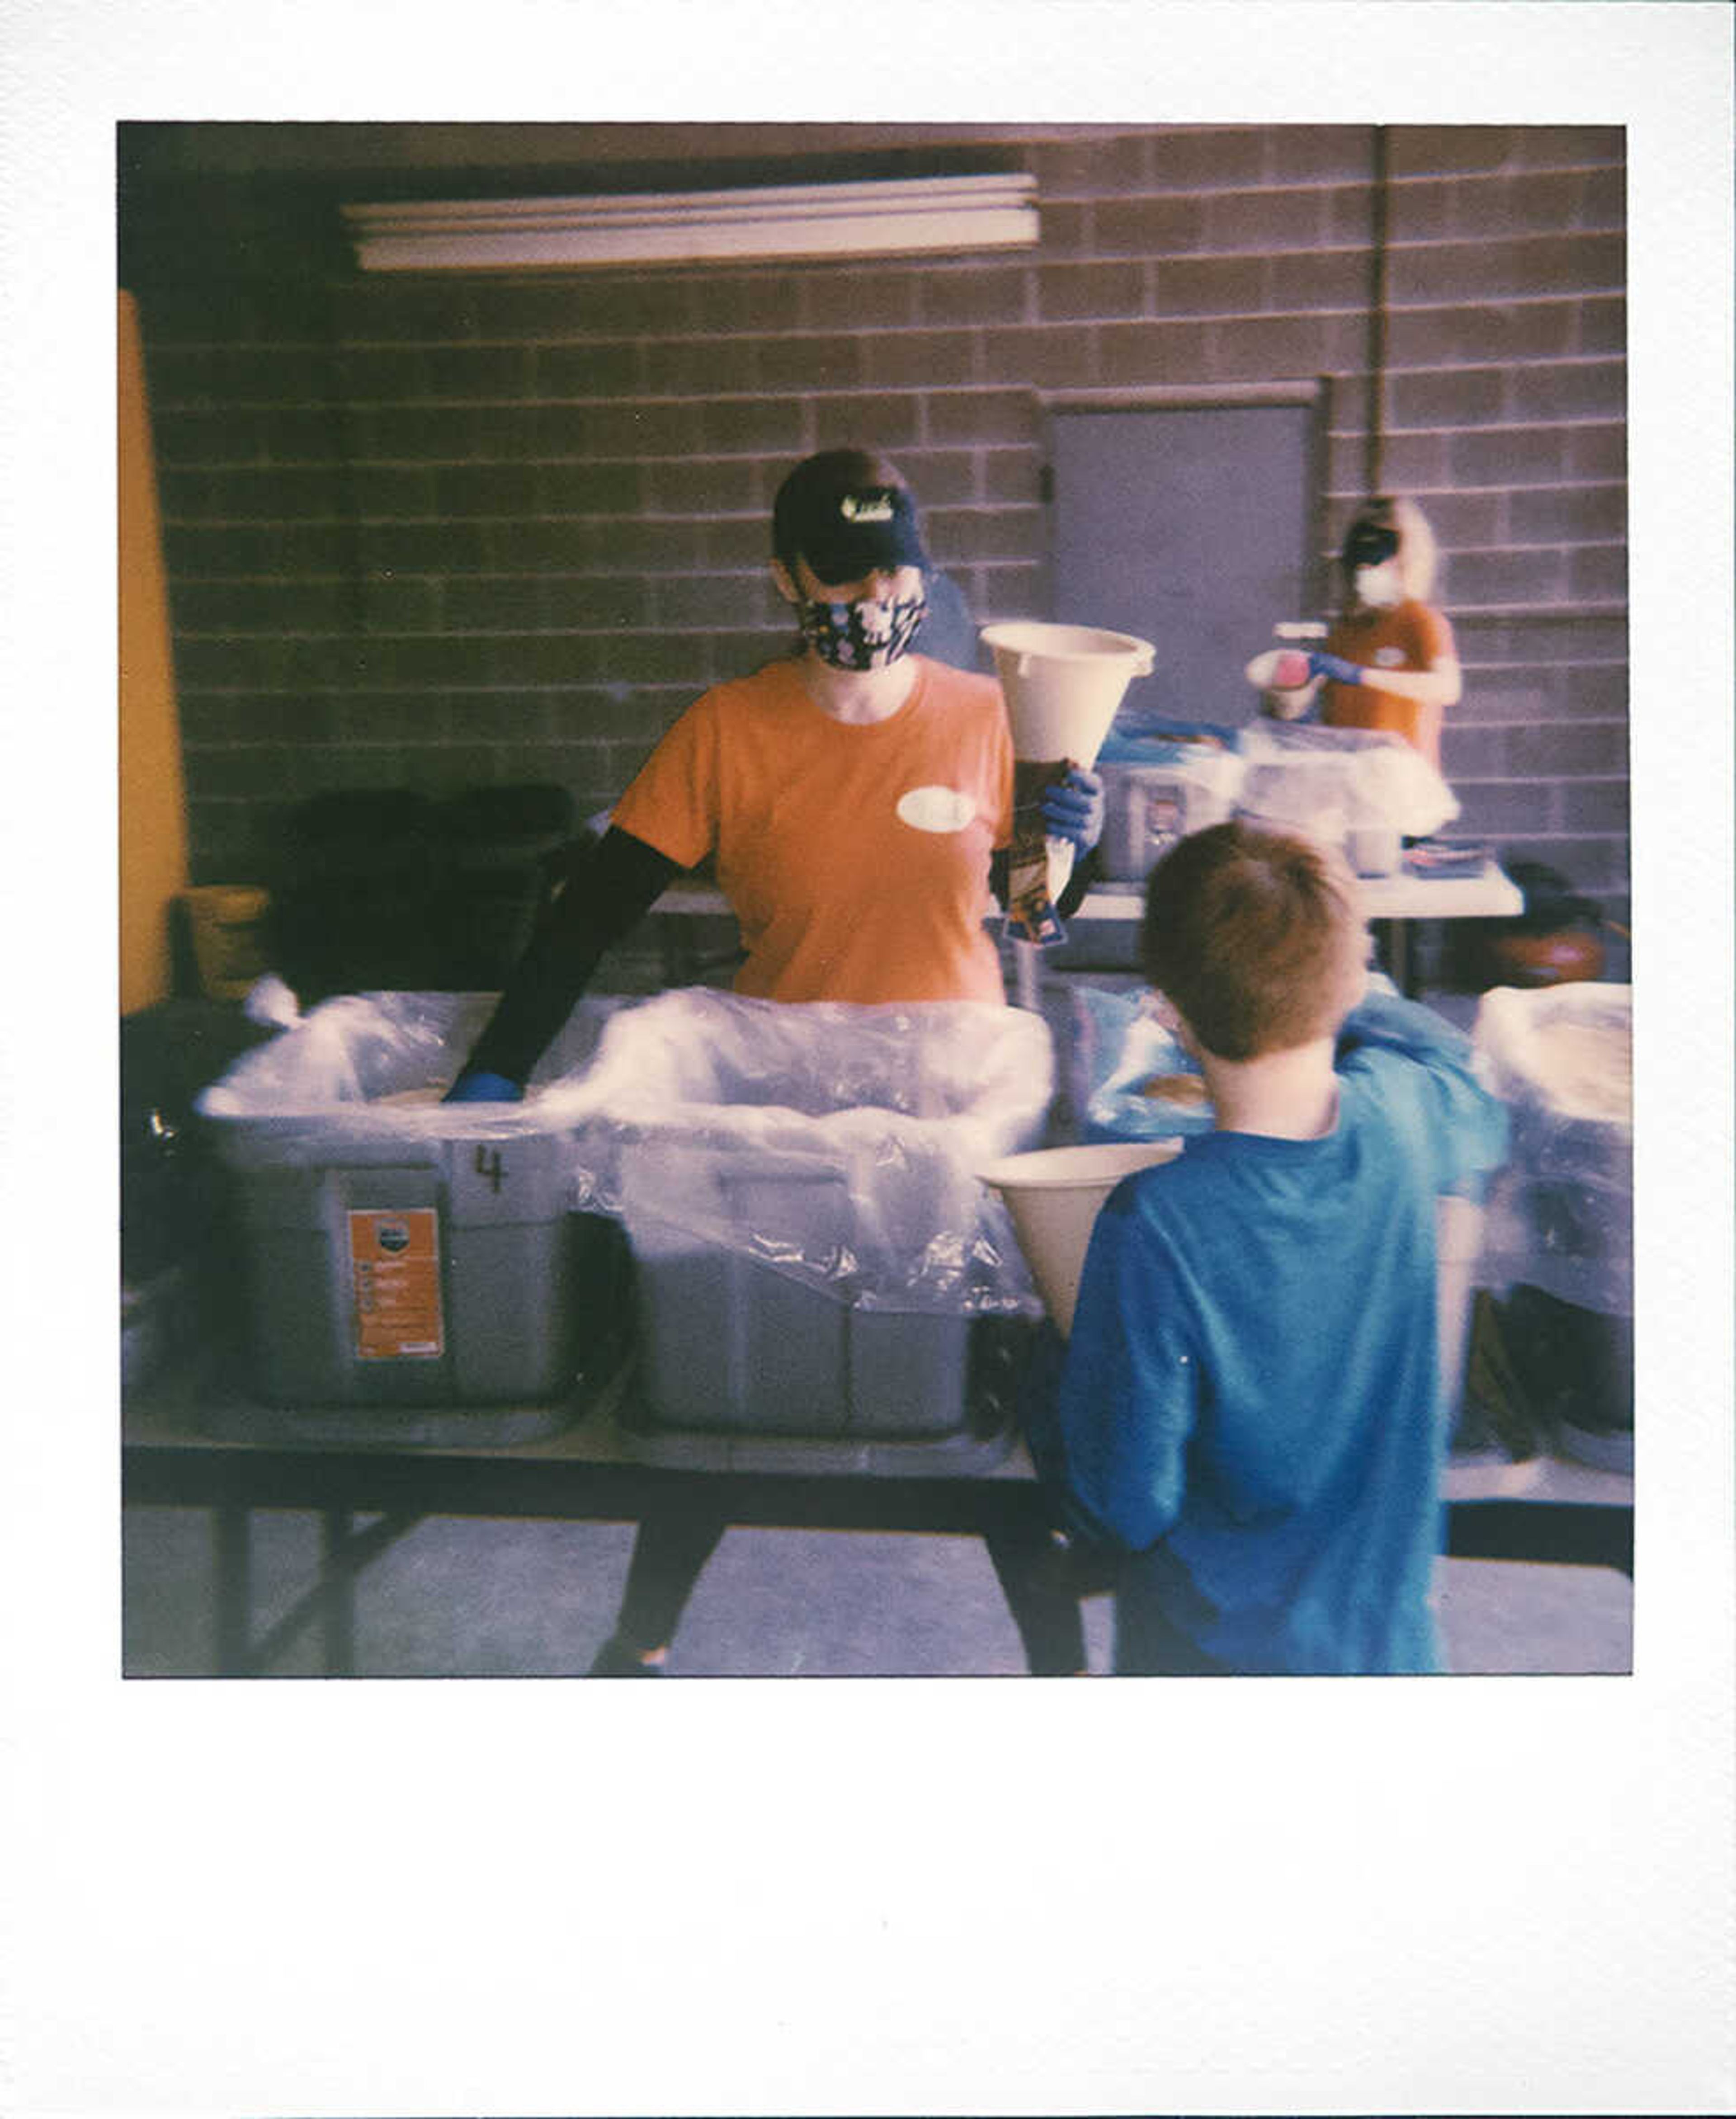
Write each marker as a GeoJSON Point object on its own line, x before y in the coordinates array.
{"type": "Point", "coordinates": [511, 1599]}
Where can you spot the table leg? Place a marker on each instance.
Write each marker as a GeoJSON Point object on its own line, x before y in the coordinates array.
{"type": "Point", "coordinates": [337, 1593]}
{"type": "Point", "coordinates": [1396, 935]}
{"type": "Point", "coordinates": [1562, 1533]}
{"type": "Point", "coordinates": [1044, 1609]}
{"type": "Point", "coordinates": [234, 1597]}
{"type": "Point", "coordinates": [1027, 975]}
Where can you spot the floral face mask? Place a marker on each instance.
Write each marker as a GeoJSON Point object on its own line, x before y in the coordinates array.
{"type": "Point", "coordinates": [869, 635]}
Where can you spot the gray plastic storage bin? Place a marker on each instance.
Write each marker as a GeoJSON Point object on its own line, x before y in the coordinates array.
{"type": "Point", "coordinates": [1155, 793]}
{"type": "Point", "coordinates": [728, 1346]}
{"type": "Point", "coordinates": [727, 1342]}
{"type": "Point", "coordinates": [399, 1252]}
{"type": "Point", "coordinates": [813, 1254]}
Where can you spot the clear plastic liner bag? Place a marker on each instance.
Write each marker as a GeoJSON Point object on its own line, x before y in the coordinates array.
{"type": "Point", "coordinates": [1130, 1078]}
{"type": "Point", "coordinates": [367, 1071]}
{"type": "Point", "coordinates": [1328, 780]}
{"type": "Point", "coordinates": [837, 1144]}
{"type": "Point", "coordinates": [1561, 1214]}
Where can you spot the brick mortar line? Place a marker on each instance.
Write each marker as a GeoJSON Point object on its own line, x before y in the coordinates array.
{"type": "Point", "coordinates": [897, 328]}
{"type": "Point", "coordinates": [668, 400]}
{"type": "Point", "coordinates": [1518, 423]}
{"type": "Point", "coordinates": [1420, 492]}
{"type": "Point", "coordinates": [192, 466]}
{"type": "Point", "coordinates": [1150, 193]}
{"type": "Point", "coordinates": [614, 341]}
{"type": "Point", "coordinates": [1487, 365]}
{"type": "Point", "coordinates": [723, 453]}
{"type": "Point", "coordinates": [1576, 613]}
{"type": "Point", "coordinates": [1423, 492]}
{"type": "Point", "coordinates": [331, 694]}
{"type": "Point", "coordinates": [1486, 427]}
{"type": "Point", "coordinates": [721, 576]}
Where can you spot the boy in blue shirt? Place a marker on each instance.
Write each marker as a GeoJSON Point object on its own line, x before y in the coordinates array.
{"type": "Point", "coordinates": [1250, 1413]}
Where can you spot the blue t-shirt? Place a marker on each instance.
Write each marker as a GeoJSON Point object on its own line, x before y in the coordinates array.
{"type": "Point", "coordinates": [1250, 1402]}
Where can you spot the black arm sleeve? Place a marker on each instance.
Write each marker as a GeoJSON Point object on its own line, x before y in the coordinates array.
{"type": "Point", "coordinates": [606, 896]}
{"type": "Point", "coordinates": [1087, 868]}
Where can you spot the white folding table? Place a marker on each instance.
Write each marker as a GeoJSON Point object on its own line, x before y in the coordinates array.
{"type": "Point", "coordinates": [1396, 902]}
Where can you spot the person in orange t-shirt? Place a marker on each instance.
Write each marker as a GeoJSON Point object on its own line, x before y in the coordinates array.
{"type": "Point", "coordinates": [854, 795]}
{"type": "Point", "coordinates": [855, 854]}
{"type": "Point", "coordinates": [1389, 660]}
{"type": "Point", "coordinates": [857, 798]}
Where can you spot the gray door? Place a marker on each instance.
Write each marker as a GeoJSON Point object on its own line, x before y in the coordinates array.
{"type": "Point", "coordinates": [1191, 526]}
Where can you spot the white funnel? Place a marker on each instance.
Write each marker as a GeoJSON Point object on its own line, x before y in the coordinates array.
{"type": "Point", "coordinates": [1053, 1195]}
{"type": "Point", "coordinates": [1063, 684]}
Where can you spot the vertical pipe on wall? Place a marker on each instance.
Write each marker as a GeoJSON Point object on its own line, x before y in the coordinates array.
{"type": "Point", "coordinates": [1374, 425]}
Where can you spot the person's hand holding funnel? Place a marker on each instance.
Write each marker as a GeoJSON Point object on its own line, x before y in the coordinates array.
{"type": "Point", "coordinates": [1063, 685]}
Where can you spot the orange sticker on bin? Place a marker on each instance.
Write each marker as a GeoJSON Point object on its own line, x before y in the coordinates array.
{"type": "Point", "coordinates": [395, 1282]}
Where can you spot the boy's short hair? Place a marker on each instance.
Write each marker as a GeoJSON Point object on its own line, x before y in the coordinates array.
{"type": "Point", "coordinates": [1257, 936]}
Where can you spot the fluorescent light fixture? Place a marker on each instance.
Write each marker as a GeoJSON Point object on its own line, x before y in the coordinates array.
{"type": "Point", "coordinates": [785, 221]}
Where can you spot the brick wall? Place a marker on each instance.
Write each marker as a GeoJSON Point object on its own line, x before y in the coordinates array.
{"type": "Point", "coordinates": [447, 530]}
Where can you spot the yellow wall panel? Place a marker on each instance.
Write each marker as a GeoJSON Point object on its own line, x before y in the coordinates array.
{"type": "Point", "coordinates": [153, 803]}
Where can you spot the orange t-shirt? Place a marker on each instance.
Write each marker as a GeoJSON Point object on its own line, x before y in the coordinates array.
{"type": "Point", "coordinates": [855, 856]}
{"type": "Point", "coordinates": [1411, 636]}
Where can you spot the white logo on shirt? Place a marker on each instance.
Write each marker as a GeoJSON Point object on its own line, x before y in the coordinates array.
{"type": "Point", "coordinates": [1389, 658]}
{"type": "Point", "coordinates": [936, 808]}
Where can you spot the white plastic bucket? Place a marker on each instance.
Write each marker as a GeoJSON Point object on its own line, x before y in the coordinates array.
{"type": "Point", "coordinates": [1063, 684]}
{"type": "Point", "coordinates": [1458, 1248]}
{"type": "Point", "coordinates": [1053, 1195]}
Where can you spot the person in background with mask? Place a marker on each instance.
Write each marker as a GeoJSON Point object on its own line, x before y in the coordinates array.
{"type": "Point", "coordinates": [1390, 661]}
{"type": "Point", "coordinates": [857, 798]}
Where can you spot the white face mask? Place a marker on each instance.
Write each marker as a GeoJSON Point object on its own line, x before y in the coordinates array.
{"type": "Point", "coordinates": [1379, 588]}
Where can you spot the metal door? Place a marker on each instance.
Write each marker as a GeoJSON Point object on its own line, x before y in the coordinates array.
{"type": "Point", "coordinates": [1191, 525]}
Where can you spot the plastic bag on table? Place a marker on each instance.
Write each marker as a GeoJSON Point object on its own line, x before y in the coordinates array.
{"type": "Point", "coordinates": [1561, 1215]}
{"type": "Point", "coordinates": [835, 1143]}
{"type": "Point", "coordinates": [1305, 776]}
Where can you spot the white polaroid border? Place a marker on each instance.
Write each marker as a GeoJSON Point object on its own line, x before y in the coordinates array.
{"type": "Point", "coordinates": [1457, 1895]}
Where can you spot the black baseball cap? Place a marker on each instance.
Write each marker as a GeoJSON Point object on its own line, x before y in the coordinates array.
{"type": "Point", "coordinates": [847, 514]}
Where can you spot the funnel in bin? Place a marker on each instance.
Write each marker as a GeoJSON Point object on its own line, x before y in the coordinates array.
{"type": "Point", "coordinates": [1053, 1195]}
{"type": "Point", "coordinates": [1063, 684]}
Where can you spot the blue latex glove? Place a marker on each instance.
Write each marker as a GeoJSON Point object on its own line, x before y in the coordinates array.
{"type": "Point", "coordinates": [484, 1088]}
{"type": "Point", "coordinates": [1073, 807]}
{"type": "Point", "coordinates": [1335, 667]}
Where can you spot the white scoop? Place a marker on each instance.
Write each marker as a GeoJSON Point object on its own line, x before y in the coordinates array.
{"type": "Point", "coordinates": [1053, 1195]}
{"type": "Point", "coordinates": [1063, 684]}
